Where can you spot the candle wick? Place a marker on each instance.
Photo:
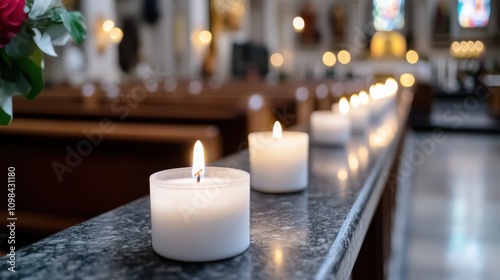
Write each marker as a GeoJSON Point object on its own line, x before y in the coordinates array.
{"type": "Point", "coordinates": [198, 175]}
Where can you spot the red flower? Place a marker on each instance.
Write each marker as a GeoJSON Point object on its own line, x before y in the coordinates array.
{"type": "Point", "coordinates": [12, 17]}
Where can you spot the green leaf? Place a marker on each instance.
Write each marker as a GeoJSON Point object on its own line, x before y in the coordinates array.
{"type": "Point", "coordinates": [58, 34]}
{"type": "Point", "coordinates": [8, 73]}
{"type": "Point", "coordinates": [5, 109]}
{"type": "Point", "coordinates": [55, 14]}
{"type": "Point", "coordinates": [31, 68]}
{"type": "Point", "coordinates": [7, 90]}
{"type": "Point", "coordinates": [5, 58]}
{"type": "Point", "coordinates": [75, 24]}
{"type": "Point", "coordinates": [22, 44]}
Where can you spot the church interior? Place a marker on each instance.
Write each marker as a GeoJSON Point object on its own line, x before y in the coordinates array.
{"type": "Point", "coordinates": [398, 102]}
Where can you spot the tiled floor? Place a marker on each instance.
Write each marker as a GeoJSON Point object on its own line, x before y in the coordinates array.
{"type": "Point", "coordinates": [453, 221]}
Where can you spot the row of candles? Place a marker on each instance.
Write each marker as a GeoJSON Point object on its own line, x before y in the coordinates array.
{"type": "Point", "coordinates": [334, 127]}
{"type": "Point", "coordinates": [203, 213]}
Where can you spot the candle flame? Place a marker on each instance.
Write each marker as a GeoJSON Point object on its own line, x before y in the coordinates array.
{"type": "Point", "coordinates": [278, 256]}
{"type": "Point", "coordinates": [391, 86]}
{"type": "Point", "coordinates": [343, 105]}
{"type": "Point", "coordinates": [381, 90]}
{"type": "Point", "coordinates": [353, 162]}
{"type": "Point", "coordinates": [277, 131]}
{"type": "Point", "coordinates": [198, 161]}
{"type": "Point", "coordinates": [378, 91]}
{"type": "Point", "coordinates": [363, 97]}
{"type": "Point", "coordinates": [373, 92]}
{"type": "Point", "coordinates": [342, 174]}
{"type": "Point", "coordinates": [354, 101]}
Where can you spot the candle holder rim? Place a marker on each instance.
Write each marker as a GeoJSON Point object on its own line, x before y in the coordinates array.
{"type": "Point", "coordinates": [289, 133]}
{"type": "Point", "coordinates": [238, 177]}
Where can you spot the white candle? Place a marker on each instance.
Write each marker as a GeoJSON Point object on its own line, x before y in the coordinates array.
{"type": "Point", "coordinates": [358, 114]}
{"type": "Point", "coordinates": [278, 160]}
{"type": "Point", "coordinates": [200, 214]}
{"type": "Point", "coordinates": [332, 127]}
{"type": "Point", "coordinates": [377, 96]}
{"type": "Point", "coordinates": [364, 99]}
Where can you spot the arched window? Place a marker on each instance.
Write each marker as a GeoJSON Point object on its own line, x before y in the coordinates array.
{"type": "Point", "coordinates": [388, 15]}
{"type": "Point", "coordinates": [473, 13]}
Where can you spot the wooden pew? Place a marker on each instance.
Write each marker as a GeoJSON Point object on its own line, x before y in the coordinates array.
{"type": "Point", "coordinates": [226, 106]}
{"type": "Point", "coordinates": [69, 171]}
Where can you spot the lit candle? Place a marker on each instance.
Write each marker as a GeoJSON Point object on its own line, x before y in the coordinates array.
{"type": "Point", "coordinates": [391, 87]}
{"type": "Point", "coordinates": [278, 160]}
{"type": "Point", "coordinates": [332, 127]}
{"type": "Point", "coordinates": [376, 102]}
{"type": "Point", "coordinates": [358, 114]}
{"type": "Point", "coordinates": [364, 99]}
{"type": "Point", "coordinates": [198, 213]}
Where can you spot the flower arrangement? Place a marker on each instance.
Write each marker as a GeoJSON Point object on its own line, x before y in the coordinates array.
{"type": "Point", "coordinates": [29, 28]}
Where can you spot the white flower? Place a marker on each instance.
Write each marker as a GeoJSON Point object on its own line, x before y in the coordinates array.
{"type": "Point", "coordinates": [44, 42]}
{"type": "Point", "coordinates": [40, 7]}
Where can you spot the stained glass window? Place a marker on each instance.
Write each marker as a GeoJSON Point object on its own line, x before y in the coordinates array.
{"type": "Point", "coordinates": [473, 13]}
{"type": "Point", "coordinates": [388, 15]}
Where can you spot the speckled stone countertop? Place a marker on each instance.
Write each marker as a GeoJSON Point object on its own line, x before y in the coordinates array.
{"type": "Point", "coordinates": [314, 234]}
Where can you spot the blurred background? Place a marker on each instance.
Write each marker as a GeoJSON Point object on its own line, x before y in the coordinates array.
{"type": "Point", "coordinates": [154, 76]}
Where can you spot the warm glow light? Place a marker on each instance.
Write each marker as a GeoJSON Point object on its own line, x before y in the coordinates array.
{"type": "Point", "coordinates": [238, 9]}
{"type": "Point", "coordinates": [329, 59]}
{"type": "Point", "coordinates": [344, 57]}
{"type": "Point", "coordinates": [354, 101]}
{"type": "Point", "coordinates": [353, 162]}
{"type": "Point", "coordinates": [391, 86]}
{"type": "Point", "coordinates": [380, 90]}
{"type": "Point", "coordinates": [467, 49]}
{"type": "Point", "coordinates": [342, 174]}
{"type": "Point", "coordinates": [205, 37]}
{"type": "Point", "coordinates": [198, 160]}
{"type": "Point", "coordinates": [298, 23]}
{"type": "Point", "coordinates": [479, 46]}
{"type": "Point", "coordinates": [363, 155]}
{"type": "Point", "coordinates": [463, 46]}
{"type": "Point", "coordinates": [278, 256]}
{"type": "Point", "coordinates": [363, 97]}
{"type": "Point", "coordinates": [382, 136]}
{"type": "Point", "coordinates": [407, 80]}
{"type": "Point", "coordinates": [108, 25]}
{"type": "Point", "coordinates": [412, 57]}
{"type": "Point", "coordinates": [277, 131]}
{"type": "Point", "coordinates": [276, 60]}
{"type": "Point", "coordinates": [470, 45]}
{"type": "Point", "coordinates": [373, 92]}
{"type": "Point", "coordinates": [343, 106]}
{"type": "Point", "coordinates": [116, 34]}
{"type": "Point", "coordinates": [388, 44]}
